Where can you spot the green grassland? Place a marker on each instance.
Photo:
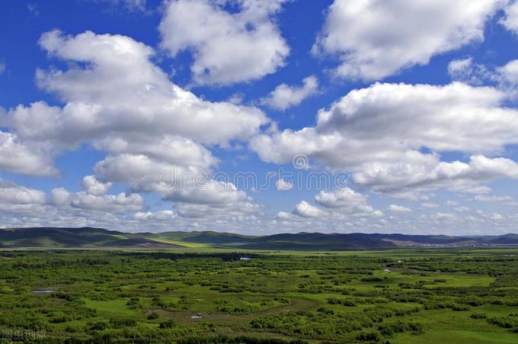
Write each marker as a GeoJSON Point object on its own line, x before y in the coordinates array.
{"type": "Point", "coordinates": [213, 296]}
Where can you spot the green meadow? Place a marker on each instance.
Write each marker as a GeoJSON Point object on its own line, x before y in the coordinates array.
{"type": "Point", "coordinates": [221, 296]}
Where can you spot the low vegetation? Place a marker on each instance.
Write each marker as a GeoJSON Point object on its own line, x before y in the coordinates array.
{"type": "Point", "coordinates": [401, 296]}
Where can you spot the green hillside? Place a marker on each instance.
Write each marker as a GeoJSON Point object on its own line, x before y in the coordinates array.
{"type": "Point", "coordinates": [74, 238]}
{"type": "Point", "coordinates": [87, 237]}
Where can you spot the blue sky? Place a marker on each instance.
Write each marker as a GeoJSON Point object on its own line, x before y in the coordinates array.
{"type": "Point", "coordinates": [260, 116]}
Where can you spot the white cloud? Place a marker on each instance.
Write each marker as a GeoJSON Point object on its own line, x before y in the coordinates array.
{"type": "Point", "coordinates": [373, 41]}
{"type": "Point", "coordinates": [210, 192]}
{"type": "Point", "coordinates": [122, 92]}
{"type": "Point", "coordinates": [305, 209]}
{"type": "Point", "coordinates": [430, 205]}
{"type": "Point", "coordinates": [107, 203]}
{"type": "Point", "coordinates": [282, 215]}
{"type": "Point", "coordinates": [21, 206]}
{"type": "Point", "coordinates": [495, 199]}
{"type": "Point", "coordinates": [144, 173]}
{"type": "Point", "coordinates": [283, 185]}
{"type": "Point", "coordinates": [345, 199]}
{"type": "Point", "coordinates": [2, 68]}
{"type": "Point", "coordinates": [429, 170]}
{"type": "Point", "coordinates": [163, 215]}
{"type": "Point", "coordinates": [179, 184]}
{"type": "Point", "coordinates": [227, 47]}
{"type": "Point", "coordinates": [156, 135]}
{"type": "Point", "coordinates": [25, 207]}
{"type": "Point", "coordinates": [168, 149]}
{"type": "Point", "coordinates": [220, 214]}
{"type": "Point", "coordinates": [341, 202]}
{"type": "Point", "coordinates": [460, 67]}
{"type": "Point", "coordinates": [509, 73]}
{"type": "Point", "coordinates": [60, 196]}
{"type": "Point", "coordinates": [131, 5]}
{"type": "Point", "coordinates": [339, 206]}
{"type": "Point", "coordinates": [120, 102]}
{"type": "Point", "coordinates": [383, 128]}
{"type": "Point", "coordinates": [505, 77]}
{"type": "Point", "coordinates": [17, 156]}
{"type": "Point", "coordinates": [18, 201]}
{"type": "Point", "coordinates": [466, 71]}
{"type": "Point", "coordinates": [284, 96]}
{"type": "Point", "coordinates": [93, 186]}
{"type": "Point", "coordinates": [510, 20]}
{"type": "Point", "coordinates": [395, 208]}
{"type": "Point", "coordinates": [95, 198]}
{"type": "Point", "coordinates": [20, 195]}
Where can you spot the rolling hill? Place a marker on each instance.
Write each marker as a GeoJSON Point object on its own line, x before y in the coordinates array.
{"type": "Point", "coordinates": [85, 237]}
{"type": "Point", "coordinates": [48, 237]}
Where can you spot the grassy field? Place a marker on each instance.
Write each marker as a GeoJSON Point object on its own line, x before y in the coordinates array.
{"type": "Point", "coordinates": [214, 296]}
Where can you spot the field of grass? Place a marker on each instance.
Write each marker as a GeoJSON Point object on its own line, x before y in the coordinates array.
{"type": "Point", "coordinates": [398, 296]}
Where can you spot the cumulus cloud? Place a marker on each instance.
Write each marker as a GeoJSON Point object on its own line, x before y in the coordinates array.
{"type": "Point", "coordinates": [22, 206]}
{"type": "Point", "coordinates": [169, 149]}
{"type": "Point", "coordinates": [457, 174]}
{"type": "Point", "coordinates": [469, 72]}
{"type": "Point", "coordinates": [19, 195]}
{"type": "Point", "coordinates": [229, 216]}
{"type": "Point", "coordinates": [379, 133]}
{"type": "Point", "coordinates": [156, 135]}
{"type": "Point", "coordinates": [95, 198]}
{"type": "Point", "coordinates": [119, 101]}
{"type": "Point", "coordinates": [395, 208]}
{"type": "Point", "coordinates": [344, 199]}
{"type": "Point", "coordinates": [190, 188]}
{"type": "Point", "coordinates": [282, 215]}
{"type": "Point", "coordinates": [495, 199]}
{"type": "Point", "coordinates": [60, 196]}
{"type": "Point", "coordinates": [283, 185]}
{"type": "Point", "coordinates": [284, 96]}
{"type": "Point", "coordinates": [121, 91]}
{"type": "Point", "coordinates": [107, 203]}
{"type": "Point", "coordinates": [210, 192]}
{"type": "Point", "coordinates": [508, 74]}
{"type": "Point", "coordinates": [162, 215]}
{"type": "Point", "coordinates": [305, 209]}
{"type": "Point", "coordinates": [18, 201]}
{"type": "Point", "coordinates": [373, 42]}
{"type": "Point", "coordinates": [131, 5]}
{"type": "Point", "coordinates": [341, 204]}
{"type": "Point", "coordinates": [25, 158]}
{"type": "Point", "coordinates": [19, 198]}
{"type": "Point", "coordinates": [228, 47]}
{"type": "Point", "coordinates": [93, 186]}
{"type": "Point", "coordinates": [146, 174]}
{"type": "Point", "coordinates": [510, 20]}
{"type": "Point", "coordinates": [504, 77]}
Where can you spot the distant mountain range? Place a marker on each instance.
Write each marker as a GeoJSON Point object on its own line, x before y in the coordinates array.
{"type": "Point", "coordinates": [46, 237]}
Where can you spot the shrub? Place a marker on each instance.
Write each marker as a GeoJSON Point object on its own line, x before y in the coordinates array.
{"type": "Point", "coordinates": [98, 326]}
{"type": "Point", "coordinates": [152, 316]}
{"type": "Point", "coordinates": [167, 324]}
{"type": "Point", "coordinates": [369, 336]}
{"type": "Point", "coordinates": [478, 316]}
